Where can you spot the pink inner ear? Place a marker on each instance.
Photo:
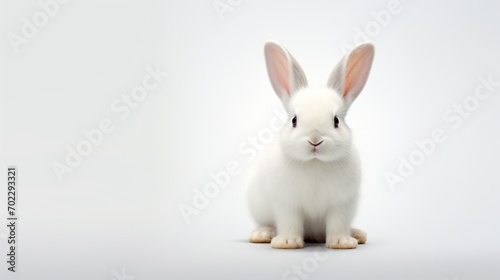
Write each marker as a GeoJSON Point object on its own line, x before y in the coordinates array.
{"type": "Point", "coordinates": [356, 72]}
{"type": "Point", "coordinates": [281, 69]}
{"type": "Point", "coordinates": [352, 71]}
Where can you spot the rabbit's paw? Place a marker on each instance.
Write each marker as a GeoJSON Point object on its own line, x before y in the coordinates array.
{"type": "Point", "coordinates": [341, 242]}
{"type": "Point", "coordinates": [287, 242]}
{"type": "Point", "coordinates": [262, 235]}
{"type": "Point", "coordinates": [359, 235]}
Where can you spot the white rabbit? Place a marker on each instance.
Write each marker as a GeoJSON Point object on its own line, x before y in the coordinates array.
{"type": "Point", "coordinates": [305, 185]}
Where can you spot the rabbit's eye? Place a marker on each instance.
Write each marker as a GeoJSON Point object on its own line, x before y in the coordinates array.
{"type": "Point", "coordinates": [336, 122]}
{"type": "Point", "coordinates": [294, 121]}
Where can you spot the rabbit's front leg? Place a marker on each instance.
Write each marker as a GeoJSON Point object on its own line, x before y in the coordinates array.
{"type": "Point", "coordinates": [290, 226]}
{"type": "Point", "coordinates": [338, 228]}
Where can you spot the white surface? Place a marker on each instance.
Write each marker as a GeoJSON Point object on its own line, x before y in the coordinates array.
{"type": "Point", "coordinates": [119, 208]}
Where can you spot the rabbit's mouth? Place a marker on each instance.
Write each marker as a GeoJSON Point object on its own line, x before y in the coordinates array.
{"type": "Point", "coordinates": [316, 152]}
{"type": "Point", "coordinates": [315, 146]}
{"type": "Point", "coordinates": [323, 152]}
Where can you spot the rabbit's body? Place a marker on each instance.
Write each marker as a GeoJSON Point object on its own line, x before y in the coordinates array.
{"type": "Point", "coordinates": [319, 188]}
{"type": "Point", "coordinates": [305, 185]}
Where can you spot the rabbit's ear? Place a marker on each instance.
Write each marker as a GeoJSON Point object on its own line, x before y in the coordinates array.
{"type": "Point", "coordinates": [350, 75]}
{"type": "Point", "coordinates": [284, 71]}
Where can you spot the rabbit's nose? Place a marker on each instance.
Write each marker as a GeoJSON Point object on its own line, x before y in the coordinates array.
{"type": "Point", "coordinates": [315, 138]}
{"type": "Point", "coordinates": [315, 144]}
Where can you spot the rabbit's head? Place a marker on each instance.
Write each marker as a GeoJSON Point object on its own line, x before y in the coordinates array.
{"type": "Point", "coordinates": [316, 129]}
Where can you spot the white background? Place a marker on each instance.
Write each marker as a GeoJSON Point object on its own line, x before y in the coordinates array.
{"type": "Point", "coordinates": [118, 211]}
